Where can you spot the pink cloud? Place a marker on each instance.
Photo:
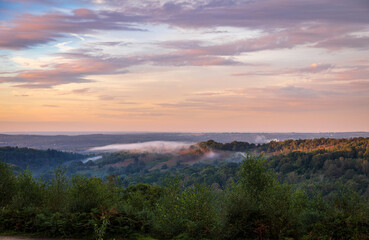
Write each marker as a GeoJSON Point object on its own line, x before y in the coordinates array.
{"type": "Point", "coordinates": [188, 58]}
{"type": "Point", "coordinates": [75, 71]}
{"type": "Point", "coordinates": [337, 43]}
{"type": "Point", "coordinates": [311, 34]}
{"type": "Point", "coordinates": [311, 69]}
{"type": "Point", "coordinates": [290, 98]}
{"type": "Point", "coordinates": [29, 29]}
{"type": "Point", "coordinates": [77, 66]}
{"type": "Point", "coordinates": [81, 91]}
{"type": "Point", "coordinates": [352, 74]}
{"type": "Point", "coordinates": [297, 15]}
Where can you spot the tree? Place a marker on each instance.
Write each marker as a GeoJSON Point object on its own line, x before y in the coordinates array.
{"type": "Point", "coordinates": [257, 206]}
{"type": "Point", "coordinates": [7, 184]}
{"type": "Point", "coordinates": [30, 191]}
{"type": "Point", "coordinates": [88, 193]}
{"type": "Point", "coordinates": [189, 213]}
{"type": "Point", "coordinates": [57, 191]}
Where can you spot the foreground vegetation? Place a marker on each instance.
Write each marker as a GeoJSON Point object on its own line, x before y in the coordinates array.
{"type": "Point", "coordinates": [254, 204]}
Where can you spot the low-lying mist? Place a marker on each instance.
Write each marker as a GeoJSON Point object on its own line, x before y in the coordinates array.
{"type": "Point", "coordinates": [152, 146]}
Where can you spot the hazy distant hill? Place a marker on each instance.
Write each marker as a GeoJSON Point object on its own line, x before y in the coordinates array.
{"type": "Point", "coordinates": [81, 143]}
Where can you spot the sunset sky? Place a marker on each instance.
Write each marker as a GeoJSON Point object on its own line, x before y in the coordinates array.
{"type": "Point", "coordinates": [206, 65]}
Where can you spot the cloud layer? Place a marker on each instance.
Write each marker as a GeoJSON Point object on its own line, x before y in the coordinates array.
{"type": "Point", "coordinates": [163, 64]}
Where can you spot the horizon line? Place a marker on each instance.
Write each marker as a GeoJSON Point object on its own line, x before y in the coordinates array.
{"type": "Point", "coordinates": [75, 133]}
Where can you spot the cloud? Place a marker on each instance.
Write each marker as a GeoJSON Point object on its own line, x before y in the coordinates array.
{"type": "Point", "coordinates": [40, 63]}
{"type": "Point", "coordinates": [22, 95]}
{"type": "Point", "coordinates": [283, 24]}
{"type": "Point", "coordinates": [314, 68]}
{"type": "Point", "coordinates": [75, 70]}
{"type": "Point", "coordinates": [188, 59]}
{"type": "Point", "coordinates": [107, 97]}
{"type": "Point", "coordinates": [297, 92]}
{"type": "Point", "coordinates": [344, 42]}
{"type": "Point", "coordinates": [78, 36]}
{"type": "Point", "coordinates": [201, 53]}
{"type": "Point", "coordinates": [28, 30]}
{"type": "Point", "coordinates": [182, 44]}
{"type": "Point", "coordinates": [75, 67]}
{"type": "Point", "coordinates": [350, 74]}
{"type": "Point", "coordinates": [177, 57]}
{"type": "Point", "coordinates": [308, 35]}
{"type": "Point", "coordinates": [246, 13]}
{"type": "Point", "coordinates": [63, 46]}
{"type": "Point", "coordinates": [314, 96]}
{"type": "Point", "coordinates": [31, 1]}
{"type": "Point", "coordinates": [112, 44]}
{"type": "Point", "coordinates": [81, 91]}
{"type": "Point", "coordinates": [131, 115]}
{"type": "Point", "coordinates": [50, 106]}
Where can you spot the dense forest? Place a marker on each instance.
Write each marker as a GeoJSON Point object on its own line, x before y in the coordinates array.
{"type": "Point", "coordinates": [36, 159]}
{"type": "Point", "coordinates": [302, 189]}
{"type": "Point", "coordinates": [327, 164]}
{"type": "Point", "coordinates": [358, 147]}
{"type": "Point", "coordinates": [255, 205]}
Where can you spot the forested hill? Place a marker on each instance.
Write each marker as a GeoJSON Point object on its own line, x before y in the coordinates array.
{"type": "Point", "coordinates": [358, 147]}
{"type": "Point", "coordinates": [34, 159]}
{"type": "Point", "coordinates": [304, 189]}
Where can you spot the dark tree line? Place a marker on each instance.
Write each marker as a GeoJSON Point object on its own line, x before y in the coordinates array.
{"type": "Point", "coordinates": [34, 159]}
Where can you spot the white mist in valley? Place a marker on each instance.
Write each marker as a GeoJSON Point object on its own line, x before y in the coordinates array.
{"type": "Point", "coordinates": [152, 146]}
{"type": "Point", "coordinates": [91, 159]}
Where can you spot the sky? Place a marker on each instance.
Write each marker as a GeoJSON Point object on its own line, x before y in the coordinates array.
{"type": "Point", "coordinates": [184, 65]}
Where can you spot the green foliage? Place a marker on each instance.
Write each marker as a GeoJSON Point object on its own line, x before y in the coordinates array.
{"type": "Point", "coordinates": [190, 211]}
{"type": "Point", "coordinates": [7, 184]}
{"type": "Point", "coordinates": [139, 202]}
{"type": "Point", "coordinates": [88, 193]}
{"type": "Point", "coordinates": [29, 191]}
{"type": "Point", "coordinates": [210, 174]}
{"type": "Point", "coordinates": [257, 206]}
{"type": "Point", "coordinates": [254, 177]}
{"type": "Point", "coordinates": [44, 223]}
{"type": "Point", "coordinates": [329, 170]}
{"type": "Point", "coordinates": [57, 190]}
{"type": "Point", "coordinates": [345, 217]}
{"type": "Point", "coordinates": [102, 220]}
{"type": "Point", "coordinates": [358, 147]}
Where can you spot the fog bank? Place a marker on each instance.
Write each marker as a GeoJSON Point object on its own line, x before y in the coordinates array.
{"type": "Point", "coordinates": [152, 146]}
